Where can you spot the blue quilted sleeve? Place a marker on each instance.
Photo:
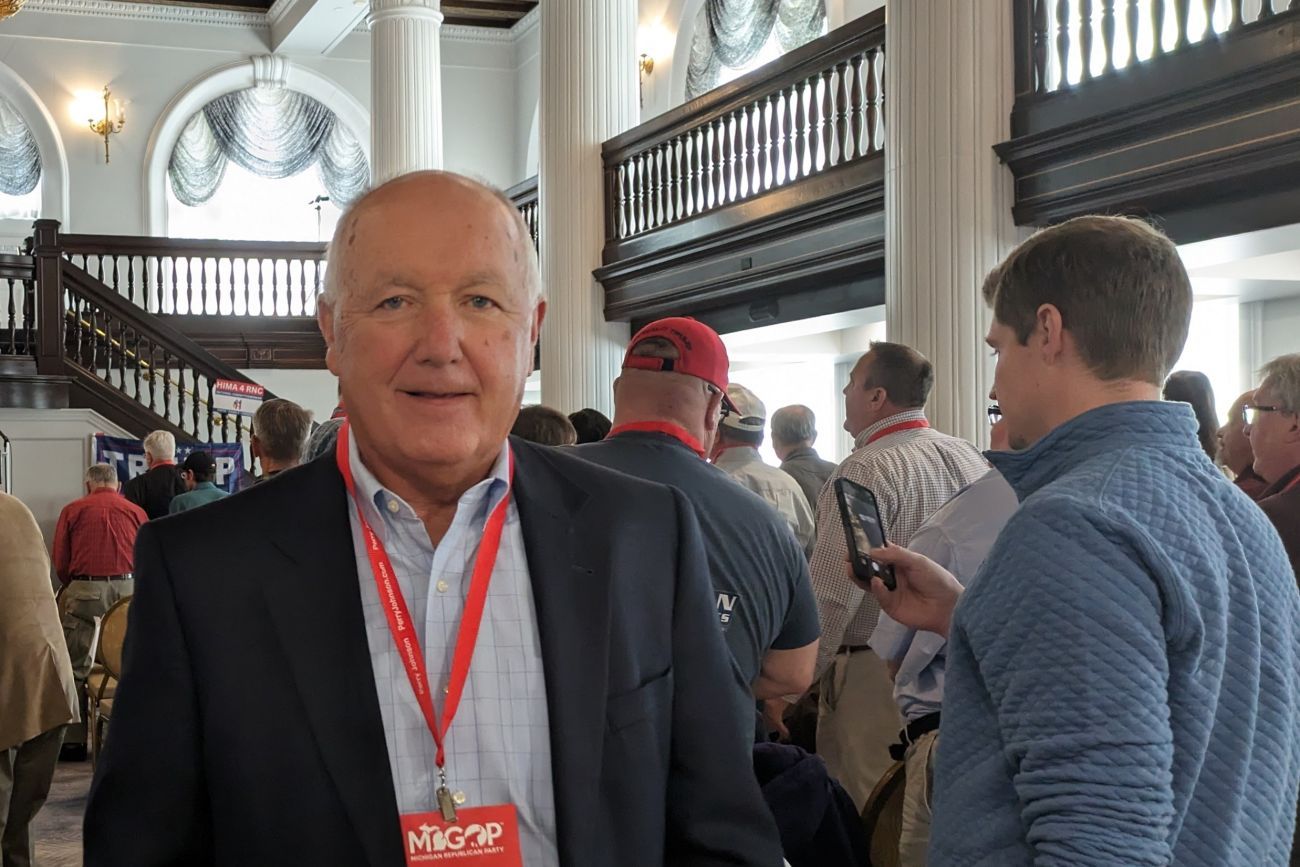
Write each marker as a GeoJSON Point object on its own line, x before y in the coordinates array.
{"type": "Point", "coordinates": [1068, 641]}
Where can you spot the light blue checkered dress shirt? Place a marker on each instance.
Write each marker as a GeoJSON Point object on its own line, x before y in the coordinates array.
{"type": "Point", "coordinates": [499, 747]}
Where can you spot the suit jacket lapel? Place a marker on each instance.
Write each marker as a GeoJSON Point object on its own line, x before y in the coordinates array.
{"type": "Point", "coordinates": [573, 622]}
{"type": "Point", "coordinates": [315, 603]}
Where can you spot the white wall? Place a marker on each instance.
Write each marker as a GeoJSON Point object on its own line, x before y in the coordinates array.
{"type": "Point", "coordinates": [316, 390]}
{"type": "Point", "coordinates": [51, 450]}
{"type": "Point", "coordinates": [1280, 328]}
{"type": "Point", "coordinates": [146, 63]}
{"type": "Point", "coordinates": [528, 84]}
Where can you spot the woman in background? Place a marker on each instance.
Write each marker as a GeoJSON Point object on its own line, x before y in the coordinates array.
{"type": "Point", "coordinates": [1192, 386]}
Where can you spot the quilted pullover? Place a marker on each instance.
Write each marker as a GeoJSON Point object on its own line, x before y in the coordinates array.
{"type": "Point", "coordinates": [1123, 682]}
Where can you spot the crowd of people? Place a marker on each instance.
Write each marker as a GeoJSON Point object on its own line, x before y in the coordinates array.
{"type": "Point", "coordinates": [632, 641]}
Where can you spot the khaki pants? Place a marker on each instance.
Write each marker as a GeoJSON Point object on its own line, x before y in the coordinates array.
{"type": "Point", "coordinates": [914, 841]}
{"type": "Point", "coordinates": [26, 772]}
{"type": "Point", "coordinates": [79, 604]}
{"type": "Point", "coordinates": [857, 720]}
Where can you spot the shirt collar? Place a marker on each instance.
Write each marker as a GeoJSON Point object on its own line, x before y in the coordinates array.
{"type": "Point", "coordinates": [897, 418]}
{"type": "Point", "coordinates": [205, 486]}
{"type": "Point", "coordinates": [1282, 483]}
{"type": "Point", "coordinates": [804, 452]}
{"type": "Point", "coordinates": [375, 498]}
{"type": "Point", "coordinates": [737, 456]}
{"type": "Point", "coordinates": [1111, 428]}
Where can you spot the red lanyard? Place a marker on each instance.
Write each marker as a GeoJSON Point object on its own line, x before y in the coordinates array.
{"type": "Point", "coordinates": [399, 616]}
{"type": "Point", "coordinates": [914, 424]}
{"type": "Point", "coordinates": [675, 431]}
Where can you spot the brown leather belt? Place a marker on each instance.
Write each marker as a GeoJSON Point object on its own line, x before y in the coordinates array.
{"type": "Point", "coordinates": [125, 577]}
{"type": "Point", "coordinates": [853, 648]}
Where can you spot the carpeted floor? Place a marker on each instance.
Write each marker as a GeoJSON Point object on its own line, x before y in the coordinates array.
{"type": "Point", "coordinates": [57, 827]}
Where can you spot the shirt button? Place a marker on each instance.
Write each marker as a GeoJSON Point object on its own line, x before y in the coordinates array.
{"type": "Point", "coordinates": [446, 688]}
{"type": "Point", "coordinates": [443, 586]}
{"type": "Point", "coordinates": [393, 506]}
{"type": "Point", "coordinates": [458, 798]}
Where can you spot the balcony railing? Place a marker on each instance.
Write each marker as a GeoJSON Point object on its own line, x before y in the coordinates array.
{"type": "Point", "coordinates": [1067, 43]}
{"type": "Point", "coordinates": [816, 108]}
{"type": "Point", "coordinates": [1182, 110]}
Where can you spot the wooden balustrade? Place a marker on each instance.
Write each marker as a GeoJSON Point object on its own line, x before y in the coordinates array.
{"type": "Point", "coordinates": [17, 304]}
{"type": "Point", "coordinates": [1063, 44]}
{"type": "Point", "coordinates": [814, 109]}
{"type": "Point", "coordinates": [201, 277]}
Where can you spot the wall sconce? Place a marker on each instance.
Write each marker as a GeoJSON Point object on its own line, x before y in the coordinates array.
{"type": "Point", "coordinates": [645, 66]}
{"type": "Point", "coordinates": [104, 119]}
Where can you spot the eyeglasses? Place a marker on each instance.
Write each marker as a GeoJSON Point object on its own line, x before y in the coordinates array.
{"type": "Point", "coordinates": [712, 389]}
{"type": "Point", "coordinates": [995, 413]}
{"type": "Point", "coordinates": [1250, 412]}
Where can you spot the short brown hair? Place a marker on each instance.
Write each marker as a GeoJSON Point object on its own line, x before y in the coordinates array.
{"type": "Point", "coordinates": [905, 374]}
{"type": "Point", "coordinates": [1119, 284]}
{"type": "Point", "coordinates": [544, 426]}
{"type": "Point", "coordinates": [281, 428]}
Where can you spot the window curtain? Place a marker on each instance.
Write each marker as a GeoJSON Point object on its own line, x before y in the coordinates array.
{"type": "Point", "coordinates": [20, 159]}
{"type": "Point", "coordinates": [731, 32]}
{"type": "Point", "coordinates": [272, 132]}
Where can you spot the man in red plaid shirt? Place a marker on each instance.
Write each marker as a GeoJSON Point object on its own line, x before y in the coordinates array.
{"type": "Point", "coordinates": [93, 545]}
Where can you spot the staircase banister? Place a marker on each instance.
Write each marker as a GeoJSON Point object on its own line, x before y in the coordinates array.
{"type": "Point", "coordinates": [16, 266]}
{"type": "Point", "coordinates": [162, 247]}
{"type": "Point", "coordinates": [789, 69]}
{"type": "Point", "coordinates": [177, 343]}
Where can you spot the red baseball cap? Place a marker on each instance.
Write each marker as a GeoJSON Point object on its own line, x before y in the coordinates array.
{"type": "Point", "coordinates": [699, 348]}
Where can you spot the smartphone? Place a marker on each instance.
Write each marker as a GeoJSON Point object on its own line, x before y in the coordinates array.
{"type": "Point", "coordinates": [863, 531]}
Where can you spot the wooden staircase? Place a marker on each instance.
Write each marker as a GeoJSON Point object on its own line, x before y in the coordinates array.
{"type": "Point", "coordinates": [70, 340]}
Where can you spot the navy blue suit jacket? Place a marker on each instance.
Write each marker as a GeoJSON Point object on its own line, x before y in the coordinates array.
{"type": "Point", "coordinates": [246, 729]}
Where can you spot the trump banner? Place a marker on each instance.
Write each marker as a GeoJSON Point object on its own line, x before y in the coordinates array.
{"type": "Point", "coordinates": [127, 457]}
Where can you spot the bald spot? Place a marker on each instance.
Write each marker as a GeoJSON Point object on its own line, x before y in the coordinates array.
{"type": "Point", "coordinates": [434, 190]}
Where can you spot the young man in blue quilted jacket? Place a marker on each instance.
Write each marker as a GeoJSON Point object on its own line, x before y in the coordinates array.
{"type": "Point", "coordinates": [1124, 671]}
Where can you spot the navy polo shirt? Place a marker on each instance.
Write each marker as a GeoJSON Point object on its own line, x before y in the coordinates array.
{"type": "Point", "coordinates": [760, 576]}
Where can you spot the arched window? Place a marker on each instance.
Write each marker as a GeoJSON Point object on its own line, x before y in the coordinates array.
{"type": "Point", "coordinates": [732, 37]}
{"type": "Point", "coordinates": [265, 163]}
{"type": "Point", "coordinates": [20, 166]}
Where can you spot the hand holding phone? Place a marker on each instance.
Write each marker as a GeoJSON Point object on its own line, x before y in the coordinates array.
{"type": "Point", "coordinates": [862, 531]}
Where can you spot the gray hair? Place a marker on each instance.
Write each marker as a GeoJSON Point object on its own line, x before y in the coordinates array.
{"type": "Point", "coordinates": [101, 474]}
{"type": "Point", "coordinates": [160, 445]}
{"type": "Point", "coordinates": [330, 288]}
{"type": "Point", "coordinates": [794, 424]}
{"type": "Point", "coordinates": [1282, 376]}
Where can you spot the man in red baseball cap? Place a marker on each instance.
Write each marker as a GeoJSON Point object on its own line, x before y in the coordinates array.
{"type": "Point", "coordinates": [668, 404]}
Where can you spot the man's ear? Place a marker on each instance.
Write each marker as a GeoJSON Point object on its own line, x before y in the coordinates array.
{"type": "Point", "coordinates": [713, 413]}
{"type": "Point", "coordinates": [1049, 332]}
{"type": "Point", "coordinates": [325, 322]}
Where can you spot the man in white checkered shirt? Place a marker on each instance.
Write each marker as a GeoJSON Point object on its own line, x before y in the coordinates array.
{"type": "Point", "coordinates": [913, 470]}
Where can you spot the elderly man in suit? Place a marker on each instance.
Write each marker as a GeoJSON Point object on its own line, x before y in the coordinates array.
{"type": "Point", "coordinates": [562, 693]}
{"type": "Point", "coordinates": [38, 696]}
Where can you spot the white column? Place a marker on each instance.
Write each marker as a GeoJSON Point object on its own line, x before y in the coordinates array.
{"type": "Point", "coordinates": [589, 95]}
{"type": "Point", "coordinates": [950, 89]}
{"type": "Point", "coordinates": [405, 87]}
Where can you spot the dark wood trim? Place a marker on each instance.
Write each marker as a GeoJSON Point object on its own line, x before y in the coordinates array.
{"type": "Point", "coordinates": [250, 342]}
{"type": "Point", "coordinates": [824, 230]}
{"type": "Point", "coordinates": [1205, 139]}
{"type": "Point", "coordinates": [90, 392]}
{"type": "Point", "coordinates": [159, 247]}
{"type": "Point", "coordinates": [14, 266]}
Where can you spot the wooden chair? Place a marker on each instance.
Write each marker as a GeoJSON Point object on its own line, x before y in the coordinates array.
{"type": "Point", "coordinates": [882, 817]}
{"type": "Point", "coordinates": [101, 685]}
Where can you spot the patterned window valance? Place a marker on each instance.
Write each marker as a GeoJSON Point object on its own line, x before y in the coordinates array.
{"type": "Point", "coordinates": [272, 132]}
{"type": "Point", "coordinates": [731, 33]}
{"type": "Point", "coordinates": [20, 159]}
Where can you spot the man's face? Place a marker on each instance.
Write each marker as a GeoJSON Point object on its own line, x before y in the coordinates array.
{"type": "Point", "coordinates": [1234, 446]}
{"type": "Point", "coordinates": [433, 331]}
{"type": "Point", "coordinates": [1016, 382]}
{"type": "Point", "coordinates": [1274, 436]}
{"type": "Point", "coordinates": [861, 405]}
